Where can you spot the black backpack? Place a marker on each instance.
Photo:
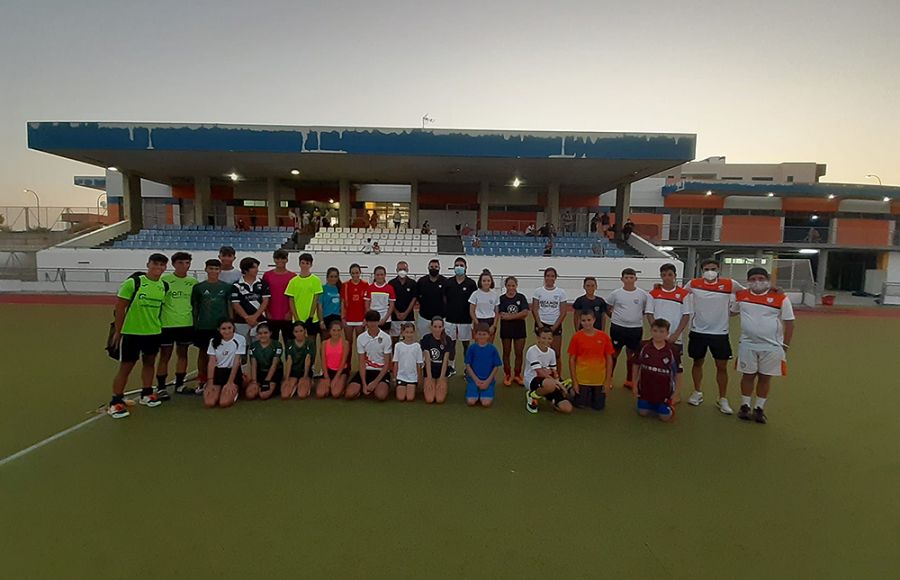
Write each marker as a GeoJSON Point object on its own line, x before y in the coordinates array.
{"type": "Point", "coordinates": [113, 349]}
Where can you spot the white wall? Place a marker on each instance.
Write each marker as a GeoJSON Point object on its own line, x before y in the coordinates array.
{"type": "Point", "coordinates": [644, 193]}
{"type": "Point", "coordinates": [445, 220]}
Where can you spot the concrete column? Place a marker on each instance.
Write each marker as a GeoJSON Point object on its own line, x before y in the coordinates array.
{"type": "Point", "coordinates": [623, 207]}
{"type": "Point", "coordinates": [272, 200]}
{"type": "Point", "coordinates": [344, 209]}
{"type": "Point", "coordinates": [821, 273]}
{"type": "Point", "coordinates": [690, 264]}
{"type": "Point", "coordinates": [833, 231]}
{"type": "Point", "coordinates": [132, 204]}
{"type": "Point", "coordinates": [202, 199]}
{"type": "Point", "coordinates": [553, 205]}
{"type": "Point", "coordinates": [414, 204]}
{"type": "Point", "coordinates": [484, 195]}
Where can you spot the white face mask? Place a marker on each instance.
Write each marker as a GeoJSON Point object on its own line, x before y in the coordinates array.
{"type": "Point", "coordinates": [760, 286]}
{"type": "Point", "coordinates": [710, 275]}
{"type": "Point", "coordinates": [401, 273]}
{"type": "Point", "coordinates": [459, 270]}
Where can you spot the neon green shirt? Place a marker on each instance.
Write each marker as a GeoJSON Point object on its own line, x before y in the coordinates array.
{"type": "Point", "coordinates": [142, 317]}
{"type": "Point", "coordinates": [304, 292]}
{"type": "Point", "coordinates": [177, 310]}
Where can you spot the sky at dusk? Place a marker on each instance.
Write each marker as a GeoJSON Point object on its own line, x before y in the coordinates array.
{"type": "Point", "coordinates": [763, 81]}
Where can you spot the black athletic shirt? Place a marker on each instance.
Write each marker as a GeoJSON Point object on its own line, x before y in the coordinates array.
{"type": "Point", "coordinates": [598, 305]}
{"type": "Point", "coordinates": [431, 297]}
{"type": "Point", "coordinates": [514, 305]}
{"type": "Point", "coordinates": [457, 296]}
{"type": "Point", "coordinates": [433, 348]}
{"type": "Point", "coordinates": [406, 290]}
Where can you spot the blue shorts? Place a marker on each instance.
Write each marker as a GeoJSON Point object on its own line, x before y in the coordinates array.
{"type": "Point", "coordinates": [473, 392]}
{"type": "Point", "coordinates": [659, 408]}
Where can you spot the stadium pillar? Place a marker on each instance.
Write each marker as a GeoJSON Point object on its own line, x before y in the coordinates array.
{"type": "Point", "coordinates": [690, 265]}
{"type": "Point", "coordinates": [344, 209]}
{"type": "Point", "coordinates": [132, 204]}
{"type": "Point", "coordinates": [202, 199]}
{"type": "Point", "coordinates": [484, 194]}
{"type": "Point", "coordinates": [553, 205]}
{"type": "Point", "coordinates": [623, 207]}
{"type": "Point", "coordinates": [414, 204]}
{"type": "Point", "coordinates": [272, 201]}
{"type": "Point", "coordinates": [821, 272]}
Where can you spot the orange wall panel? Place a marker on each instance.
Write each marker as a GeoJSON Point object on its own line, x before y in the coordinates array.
{"type": "Point", "coordinates": [809, 204]}
{"type": "Point", "coordinates": [751, 229]}
{"type": "Point", "coordinates": [183, 191]}
{"type": "Point", "coordinates": [895, 207]}
{"type": "Point", "coordinates": [863, 232]}
{"type": "Point", "coordinates": [689, 201]}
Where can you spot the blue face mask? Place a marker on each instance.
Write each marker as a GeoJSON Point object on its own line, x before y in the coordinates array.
{"type": "Point", "coordinates": [459, 270]}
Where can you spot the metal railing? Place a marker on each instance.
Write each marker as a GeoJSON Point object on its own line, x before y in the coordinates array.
{"type": "Point", "coordinates": [805, 234]}
{"type": "Point", "coordinates": [23, 219]}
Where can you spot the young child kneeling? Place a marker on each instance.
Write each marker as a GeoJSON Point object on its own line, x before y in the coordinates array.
{"type": "Point", "coordinates": [656, 367]}
{"type": "Point", "coordinates": [482, 362]}
{"type": "Point", "coordinates": [541, 376]}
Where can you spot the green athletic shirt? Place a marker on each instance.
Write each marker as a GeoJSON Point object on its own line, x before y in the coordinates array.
{"type": "Point", "coordinates": [265, 356]}
{"type": "Point", "coordinates": [142, 317]}
{"type": "Point", "coordinates": [305, 294]}
{"type": "Point", "coordinates": [298, 354]}
{"type": "Point", "coordinates": [177, 310]}
{"type": "Point", "coordinates": [210, 303]}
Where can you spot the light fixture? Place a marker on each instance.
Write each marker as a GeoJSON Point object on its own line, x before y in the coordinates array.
{"type": "Point", "coordinates": [885, 199]}
{"type": "Point", "coordinates": [111, 169]}
{"type": "Point", "coordinates": [234, 176]}
{"type": "Point", "coordinates": [770, 194]}
{"type": "Point", "coordinates": [516, 182]}
{"type": "Point", "coordinates": [666, 248]}
{"type": "Point", "coordinates": [330, 200]}
{"type": "Point", "coordinates": [709, 192]}
{"type": "Point", "coordinates": [830, 196]}
{"type": "Point", "coordinates": [809, 251]}
{"type": "Point", "coordinates": [814, 217]}
{"type": "Point", "coordinates": [395, 204]}
{"type": "Point", "coordinates": [295, 172]}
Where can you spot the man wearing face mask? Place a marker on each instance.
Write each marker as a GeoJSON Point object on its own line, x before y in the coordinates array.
{"type": "Point", "coordinates": [431, 297]}
{"type": "Point", "coordinates": [712, 297]}
{"type": "Point", "coordinates": [407, 291]}
{"type": "Point", "coordinates": [458, 325]}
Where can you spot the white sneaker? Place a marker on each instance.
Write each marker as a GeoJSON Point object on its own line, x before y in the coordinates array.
{"type": "Point", "coordinates": [696, 398]}
{"type": "Point", "coordinates": [724, 407]}
{"type": "Point", "coordinates": [150, 401]}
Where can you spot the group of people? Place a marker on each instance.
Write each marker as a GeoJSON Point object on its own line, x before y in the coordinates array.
{"type": "Point", "coordinates": [290, 334]}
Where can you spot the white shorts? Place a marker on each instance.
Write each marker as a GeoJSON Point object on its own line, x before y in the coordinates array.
{"type": "Point", "coordinates": [395, 327]}
{"type": "Point", "coordinates": [458, 331]}
{"type": "Point", "coordinates": [764, 362]}
{"type": "Point", "coordinates": [354, 324]}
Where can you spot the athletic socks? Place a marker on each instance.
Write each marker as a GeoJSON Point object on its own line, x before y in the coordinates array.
{"type": "Point", "coordinates": [179, 379]}
{"type": "Point", "coordinates": [161, 381]}
{"type": "Point", "coordinates": [146, 391]}
{"type": "Point", "coordinates": [117, 400]}
{"type": "Point", "coordinates": [745, 399]}
{"type": "Point", "coordinates": [760, 402]}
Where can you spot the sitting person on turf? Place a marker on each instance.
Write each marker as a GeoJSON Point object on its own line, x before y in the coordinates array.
{"type": "Point", "coordinates": [541, 376]}
{"type": "Point", "coordinates": [334, 354]}
{"type": "Point", "coordinates": [655, 370]}
{"type": "Point", "coordinates": [374, 348]}
{"type": "Point", "coordinates": [224, 370]}
{"type": "Point", "coordinates": [590, 363]}
{"type": "Point", "coordinates": [265, 368]}
{"type": "Point", "coordinates": [767, 327]}
{"type": "Point", "coordinates": [299, 355]}
{"type": "Point", "coordinates": [408, 362]}
{"type": "Point", "coordinates": [436, 348]}
{"type": "Point", "coordinates": [482, 362]}
{"type": "Point", "coordinates": [211, 302]}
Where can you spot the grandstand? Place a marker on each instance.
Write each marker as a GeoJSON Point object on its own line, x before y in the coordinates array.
{"type": "Point", "coordinates": [196, 238]}
{"type": "Point", "coordinates": [579, 245]}
{"type": "Point", "coordinates": [403, 240]}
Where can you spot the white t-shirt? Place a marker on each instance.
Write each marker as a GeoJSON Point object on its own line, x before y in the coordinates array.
{"type": "Point", "coordinates": [226, 352]}
{"type": "Point", "coordinates": [628, 307]}
{"type": "Point", "coordinates": [711, 301]}
{"type": "Point", "coordinates": [374, 347]}
{"type": "Point", "coordinates": [536, 359]}
{"type": "Point", "coordinates": [230, 276]}
{"type": "Point", "coordinates": [670, 305]}
{"type": "Point", "coordinates": [408, 358]}
{"type": "Point", "coordinates": [549, 304]}
{"type": "Point", "coordinates": [762, 317]}
{"type": "Point", "coordinates": [485, 303]}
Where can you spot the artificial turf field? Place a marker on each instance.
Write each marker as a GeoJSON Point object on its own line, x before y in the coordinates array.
{"type": "Point", "coordinates": [335, 489]}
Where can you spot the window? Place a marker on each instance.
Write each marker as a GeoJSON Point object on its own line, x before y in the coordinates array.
{"type": "Point", "coordinates": [283, 204]}
{"type": "Point", "coordinates": [732, 178]}
{"type": "Point", "coordinates": [254, 203]}
{"type": "Point", "coordinates": [790, 179]}
{"type": "Point", "coordinates": [762, 178]}
{"type": "Point", "coordinates": [691, 225]}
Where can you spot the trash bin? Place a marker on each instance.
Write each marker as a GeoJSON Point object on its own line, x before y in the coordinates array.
{"type": "Point", "coordinates": [828, 300]}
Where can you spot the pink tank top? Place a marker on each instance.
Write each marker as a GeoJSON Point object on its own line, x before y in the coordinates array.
{"type": "Point", "coordinates": [334, 355]}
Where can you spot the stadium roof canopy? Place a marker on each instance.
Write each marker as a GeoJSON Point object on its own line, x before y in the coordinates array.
{"type": "Point", "coordinates": [171, 153]}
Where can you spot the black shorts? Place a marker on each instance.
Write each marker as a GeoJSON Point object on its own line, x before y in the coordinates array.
{"type": "Point", "coordinates": [406, 384]}
{"type": "Point", "coordinates": [679, 352]}
{"type": "Point", "coordinates": [624, 337]}
{"type": "Point", "coordinates": [281, 329]}
{"type": "Point", "coordinates": [557, 332]}
{"type": "Point", "coordinates": [435, 371]}
{"type": "Point", "coordinates": [181, 335]}
{"type": "Point", "coordinates": [133, 346]}
{"type": "Point", "coordinates": [385, 327]}
{"type": "Point", "coordinates": [536, 383]}
{"type": "Point", "coordinates": [370, 376]}
{"type": "Point", "coordinates": [297, 372]}
{"type": "Point", "coordinates": [717, 344]}
{"type": "Point", "coordinates": [261, 378]}
{"type": "Point", "coordinates": [203, 337]}
{"type": "Point", "coordinates": [513, 329]}
{"type": "Point", "coordinates": [488, 321]}
{"type": "Point", "coordinates": [220, 377]}
{"type": "Point", "coordinates": [312, 328]}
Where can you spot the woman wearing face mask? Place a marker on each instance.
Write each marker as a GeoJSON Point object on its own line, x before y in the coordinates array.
{"type": "Point", "coordinates": [406, 293]}
{"type": "Point", "coordinates": [458, 325]}
{"type": "Point", "coordinates": [430, 297]}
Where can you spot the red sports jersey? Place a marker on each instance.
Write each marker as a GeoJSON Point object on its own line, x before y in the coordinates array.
{"type": "Point", "coordinates": [353, 299]}
{"type": "Point", "coordinates": [659, 367]}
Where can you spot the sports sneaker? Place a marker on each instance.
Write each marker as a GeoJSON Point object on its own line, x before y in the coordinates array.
{"type": "Point", "coordinates": [150, 401]}
{"type": "Point", "coordinates": [184, 390]}
{"type": "Point", "coordinates": [507, 380]}
{"type": "Point", "coordinates": [451, 370]}
{"type": "Point", "coordinates": [696, 398]}
{"type": "Point", "coordinates": [760, 416]}
{"type": "Point", "coordinates": [118, 411]}
{"type": "Point", "coordinates": [199, 389]}
{"type": "Point", "coordinates": [724, 407]}
{"type": "Point", "coordinates": [519, 380]}
{"type": "Point", "coordinates": [163, 395]}
{"type": "Point", "coordinates": [744, 413]}
{"type": "Point", "coordinates": [531, 401]}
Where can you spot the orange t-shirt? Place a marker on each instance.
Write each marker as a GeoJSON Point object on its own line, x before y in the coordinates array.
{"type": "Point", "coordinates": [590, 356]}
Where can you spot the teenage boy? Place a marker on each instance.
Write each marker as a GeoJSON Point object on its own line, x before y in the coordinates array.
{"type": "Point", "coordinates": [542, 376]}
{"type": "Point", "coordinates": [374, 349]}
{"type": "Point", "coordinates": [279, 311]}
{"type": "Point", "coordinates": [211, 303]}
{"type": "Point", "coordinates": [655, 368]}
{"type": "Point", "coordinates": [482, 362]}
{"type": "Point", "coordinates": [590, 363]}
{"type": "Point", "coordinates": [767, 327]}
{"type": "Point", "coordinates": [406, 293]}
{"type": "Point", "coordinates": [627, 305]}
{"type": "Point", "coordinates": [304, 290]}
{"type": "Point", "coordinates": [249, 298]}
{"type": "Point", "coordinates": [671, 302]}
{"type": "Point", "coordinates": [136, 332]}
{"type": "Point", "coordinates": [712, 297]}
{"type": "Point", "coordinates": [590, 301]}
{"type": "Point", "coordinates": [177, 320]}
{"type": "Point", "coordinates": [458, 324]}
{"type": "Point", "coordinates": [228, 272]}
{"type": "Point", "coordinates": [431, 297]}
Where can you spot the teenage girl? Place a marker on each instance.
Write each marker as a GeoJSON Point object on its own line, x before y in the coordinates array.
{"type": "Point", "coordinates": [353, 304]}
{"type": "Point", "coordinates": [548, 305]}
{"type": "Point", "coordinates": [224, 372]}
{"type": "Point", "coordinates": [513, 313]}
{"type": "Point", "coordinates": [298, 361]}
{"type": "Point", "coordinates": [334, 353]}
{"type": "Point", "coordinates": [484, 303]}
{"type": "Point", "coordinates": [436, 354]}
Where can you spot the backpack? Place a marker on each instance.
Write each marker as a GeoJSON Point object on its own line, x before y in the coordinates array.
{"type": "Point", "coordinates": [111, 349]}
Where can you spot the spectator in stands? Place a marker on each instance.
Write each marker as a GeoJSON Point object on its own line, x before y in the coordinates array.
{"type": "Point", "coordinates": [604, 223]}
{"type": "Point", "coordinates": [597, 248]}
{"type": "Point", "coordinates": [241, 226]}
{"type": "Point", "coordinates": [568, 221]}
{"type": "Point", "coordinates": [548, 247]}
{"type": "Point", "coordinates": [366, 248]}
{"type": "Point", "coordinates": [426, 228]}
{"type": "Point", "coordinates": [467, 231]}
{"type": "Point", "coordinates": [317, 215]}
{"type": "Point", "coordinates": [295, 239]}
{"type": "Point", "coordinates": [476, 241]}
{"type": "Point", "coordinates": [373, 220]}
{"type": "Point", "coordinates": [252, 217]}
{"type": "Point", "coordinates": [595, 222]}
{"type": "Point", "coordinates": [376, 249]}
{"type": "Point", "coordinates": [304, 220]}
{"type": "Point", "coordinates": [458, 225]}
{"type": "Point", "coordinates": [627, 229]}
{"type": "Point", "coordinates": [529, 230]}
{"type": "Point", "coordinates": [295, 220]}
{"type": "Point", "coordinates": [398, 219]}
{"type": "Point", "coordinates": [813, 236]}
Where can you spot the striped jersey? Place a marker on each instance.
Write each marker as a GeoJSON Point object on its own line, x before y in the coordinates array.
{"type": "Point", "coordinates": [669, 305]}
{"type": "Point", "coordinates": [711, 302]}
{"type": "Point", "coordinates": [762, 318]}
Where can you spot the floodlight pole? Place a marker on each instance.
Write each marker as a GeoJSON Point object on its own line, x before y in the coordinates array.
{"type": "Point", "coordinates": [37, 202]}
